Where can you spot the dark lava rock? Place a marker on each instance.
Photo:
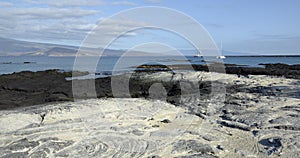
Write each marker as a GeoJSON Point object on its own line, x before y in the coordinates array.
{"type": "Point", "coordinates": [18, 148]}
{"type": "Point", "coordinates": [288, 71]}
{"type": "Point", "coordinates": [38, 154]}
{"type": "Point", "coordinates": [36, 149]}
{"type": "Point", "coordinates": [137, 132]}
{"type": "Point", "coordinates": [220, 147]}
{"type": "Point", "coordinates": [16, 155]}
{"type": "Point", "coordinates": [236, 125]}
{"type": "Point", "coordinates": [280, 66]}
{"type": "Point", "coordinates": [29, 62]}
{"type": "Point", "coordinates": [166, 121]}
{"type": "Point", "coordinates": [31, 88]}
{"type": "Point", "coordinates": [272, 145]}
{"type": "Point", "coordinates": [154, 156]}
{"type": "Point", "coordinates": [191, 147]}
{"type": "Point", "coordinates": [22, 144]}
{"type": "Point", "coordinates": [198, 156]}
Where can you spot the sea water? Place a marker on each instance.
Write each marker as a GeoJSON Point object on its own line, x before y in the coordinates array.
{"type": "Point", "coordinates": [107, 64]}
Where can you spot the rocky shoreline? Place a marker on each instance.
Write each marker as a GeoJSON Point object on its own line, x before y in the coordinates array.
{"type": "Point", "coordinates": [278, 69]}
{"type": "Point", "coordinates": [32, 88]}
{"type": "Point", "coordinates": [250, 112]}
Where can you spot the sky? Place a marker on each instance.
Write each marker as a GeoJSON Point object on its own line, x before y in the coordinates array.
{"type": "Point", "coordinates": [244, 26]}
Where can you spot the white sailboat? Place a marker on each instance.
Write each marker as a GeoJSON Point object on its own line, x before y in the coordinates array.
{"type": "Point", "coordinates": [198, 54]}
{"type": "Point", "coordinates": [221, 56]}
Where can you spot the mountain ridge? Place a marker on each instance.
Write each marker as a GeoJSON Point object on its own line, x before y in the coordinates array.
{"type": "Point", "coordinates": [13, 47]}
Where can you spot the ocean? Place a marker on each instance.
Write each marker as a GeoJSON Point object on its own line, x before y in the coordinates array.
{"type": "Point", "coordinates": [11, 64]}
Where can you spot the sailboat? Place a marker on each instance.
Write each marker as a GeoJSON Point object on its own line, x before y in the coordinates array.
{"type": "Point", "coordinates": [198, 55]}
{"type": "Point", "coordinates": [221, 56]}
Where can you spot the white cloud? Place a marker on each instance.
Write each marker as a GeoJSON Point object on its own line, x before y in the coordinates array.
{"type": "Point", "coordinates": [108, 29]}
{"type": "Point", "coordinates": [64, 3]}
{"type": "Point", "coordinates": [46, 24]}
{"type": "Point", "coordinates": [56, 24]}
{"type": "Point", "coordinates": [46, 13]}
{"type": "Point", "coordinates": [124, 3]}
{"type": "Point", "coordinates": [114, 26]}
{"type": "Point", "coordinates": [59, 31]}
{"type": "Point", "coordinates": [66, 30]}
{"type": "Point", "coordinates": [5, 4]}
{"type": "Point", "coordinates": [153, 1]}
{"type": "Point", "coordinates": [68, 3]}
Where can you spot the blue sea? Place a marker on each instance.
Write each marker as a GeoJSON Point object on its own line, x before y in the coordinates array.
{"type": "Point", "coordinates": [11, 64]}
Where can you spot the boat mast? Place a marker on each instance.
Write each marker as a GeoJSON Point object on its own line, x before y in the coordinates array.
{"type": "Point", "coordinates": [221, 49]}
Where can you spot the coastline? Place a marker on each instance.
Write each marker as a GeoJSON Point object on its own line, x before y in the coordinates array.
{"type": "Point", "coordinates": [31, 88]}
{"type": "Point", "coordinates": [258, 117]}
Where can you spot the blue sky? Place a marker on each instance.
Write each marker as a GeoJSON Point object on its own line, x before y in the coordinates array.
{"type": "Point", "coordinates": [245, 26]}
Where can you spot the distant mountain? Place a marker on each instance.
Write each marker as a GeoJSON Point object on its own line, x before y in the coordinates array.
{"type": "Point", "coordinates": [15, 47]}
{"type": "Point", "coordinates": [59, 51]}
{"type": "Point", "coordinates": [11, 47]}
